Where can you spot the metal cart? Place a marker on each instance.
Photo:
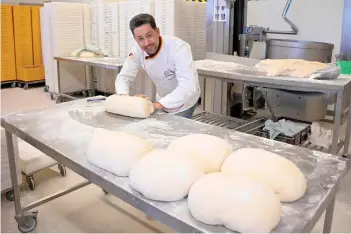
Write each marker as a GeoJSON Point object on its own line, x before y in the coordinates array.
{"type": "Point", "coordinates": [66, 130]}
{"type": "Point", "coordinates": [104, 62]}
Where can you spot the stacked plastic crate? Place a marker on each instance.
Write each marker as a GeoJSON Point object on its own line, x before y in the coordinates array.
{"type": "Point", "coordinates": [190, 27]}
{"type": "Point", "coordinates": [66, 31]}
{"type": "Point", "coordinates": [29, 65]}
{"type": "Point", "coordinates": [46, 38]}
{"type": "Point", "coordinates": [36, 33]}
{"type": "Point", "coordinates": [8, 59]}
{"type": "Point", "coordinates": [199, 47]}
{"type": "Point", "coordinates": [105, 36]}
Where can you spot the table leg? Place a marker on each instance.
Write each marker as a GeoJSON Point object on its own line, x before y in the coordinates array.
{"type": "Point", "coordinates": [337, 121]}
{"type": "Point", "coordinates": [58, 77]}
{"type": "Point", "coordinates": [348, 131]}
{"type": "Point", "coordinates": [328, 220]}
{"type": "Point", "coordinates": [13, 172]}
{"type": "Point", "coordinates": [203, 94]}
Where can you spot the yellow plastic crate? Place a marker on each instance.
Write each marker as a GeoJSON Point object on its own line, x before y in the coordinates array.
{"type": "Point", "coordinates": [8, 58]}
{"type": "Point", "coordinates": [28, 74]}
{"type": "Point", "coordinates": [36, 33]}
{"type": "Point", "coordinates": [23, 36]}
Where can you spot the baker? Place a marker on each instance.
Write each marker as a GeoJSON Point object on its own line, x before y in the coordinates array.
{"type": "Point", "coordinates": [169, 63]}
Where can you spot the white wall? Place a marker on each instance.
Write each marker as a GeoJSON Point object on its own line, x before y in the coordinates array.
{"type": "Point", "coordinates": [317, 20]}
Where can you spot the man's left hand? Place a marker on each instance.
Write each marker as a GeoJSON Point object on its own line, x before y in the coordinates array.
{"type": "Point", "coordinates": [158, 106]}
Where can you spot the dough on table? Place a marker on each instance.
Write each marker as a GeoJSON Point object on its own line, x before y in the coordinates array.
{"type": "Point", "coordinates": [282, 175]}
{"type": "Point", "coordinates": [116, 151]}
{"type": "Point", "coordinates": [131, 106]}
{"type": "Point", "coordinates": [289, 67]}
{"type": "Point", "coordinates": [207, 151]}
{"type": "Point", "coordinates": [163, 175]}
{"type": "Point", "coordinates": [239, 203]}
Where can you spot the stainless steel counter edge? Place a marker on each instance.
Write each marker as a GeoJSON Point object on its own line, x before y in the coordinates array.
{"type": "Point", "coordinates": [96, 62]}
{"type": "Point", "coordinates": [271, 82]}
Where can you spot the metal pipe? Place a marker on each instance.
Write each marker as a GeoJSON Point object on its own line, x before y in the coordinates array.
{"type": "Point", "coordinates": [294, 28]}
{"type": "Point", "coordinates": [56, 195]}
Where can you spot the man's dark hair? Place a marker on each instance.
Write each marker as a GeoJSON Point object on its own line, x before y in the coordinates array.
{"type": "Point", "coordinates": [140, 20]}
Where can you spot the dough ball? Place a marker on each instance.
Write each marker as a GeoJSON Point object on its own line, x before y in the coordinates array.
{"type": "Point", "coordinates": [282, 175]}
{"type": "Point", "coordinates": [290, 67]}
{"type": "Point", "coordinates": [207, 151]}
{"type": "Point", "coordinates": [132, 106]}
{"type": "Point", "coordinates": [116, 151]}
{"type": "Point", "coordinates": [163, 175]}
{"type": "Point", "coordinates": [87, 54]}
{"type": "Point", "coordinates": [239, 203]}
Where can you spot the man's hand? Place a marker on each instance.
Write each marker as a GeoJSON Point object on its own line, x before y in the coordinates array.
{"type": "Point", "coordinates": [158, 106]}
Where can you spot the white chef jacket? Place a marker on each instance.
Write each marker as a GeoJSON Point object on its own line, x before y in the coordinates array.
{"type": "Point", "coordinates": [171, 69]}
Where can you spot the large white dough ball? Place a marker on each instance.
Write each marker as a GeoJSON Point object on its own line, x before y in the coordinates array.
{"type": "Point", "coordinates": [207, 151]}
{"type": "Point", "coordinates": [131, 106]}
{"type": "Point", "coordinates": [282, 175]}
{"type": "Point", "coordinates": [164, 176]}
{"type": "Point", "coordinates": [116, 151]}
{"type": "Point", "coordinates": [239, 203]}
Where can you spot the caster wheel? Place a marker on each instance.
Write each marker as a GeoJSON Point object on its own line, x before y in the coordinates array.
{"type": "Point", "coordinates": [105, 191]}
{"type": "Point", "coordinates": [52, 96]}
{"type": "Point", "coordinates": [28, 224]}
{"type": "Point", "coordinates": [19, 85]}
{"type": "Point", "coordinates": [31, 183]}
{"type": "Point", "coordinates": [9, 195]}
{"type": "Point", "coordinates": [62, 169]}
{"type": "Point", "coordinates": [46, 89]}
{"type": "Point", "coordinates": [13, 85]}
{"type": "Point", "coordinates": [85, 94]}
{"type": "Point", "coordinates": [25, 86]}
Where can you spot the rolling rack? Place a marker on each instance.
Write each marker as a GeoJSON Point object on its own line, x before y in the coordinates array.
{"type": "Point", "coordinates": [105, 62]}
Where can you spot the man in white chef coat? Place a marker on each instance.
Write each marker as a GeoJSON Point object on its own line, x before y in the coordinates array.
{"type": "Point", "coordinates": [169, 63]}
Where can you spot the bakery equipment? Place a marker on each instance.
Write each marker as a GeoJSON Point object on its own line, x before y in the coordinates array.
{"type": "Point", "coordinates": [297, 49]}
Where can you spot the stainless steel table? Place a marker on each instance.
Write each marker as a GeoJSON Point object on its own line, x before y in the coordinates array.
{"type": "Point", "coordinates": [63, 132]}
{"type": "Point", "coordinates": [213, 69]}
{"type": "Point", "coordinates": [112, 63]}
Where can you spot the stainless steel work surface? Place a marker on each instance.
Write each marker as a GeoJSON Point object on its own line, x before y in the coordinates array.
{"type": "Point", "coordinates": [104, 62]}
{"type": "Point", "coordinates": [64, 131]}
{"type": "Point", "coordinates": [244, 73]}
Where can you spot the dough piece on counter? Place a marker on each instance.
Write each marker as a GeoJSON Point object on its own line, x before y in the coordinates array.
{"type": "Point", "coordinates": [163, 175]}
{"type": "Point", "coordinates": [132, 106]}
{"type": "Point", "coordinates": [289, 67]}
{"type": "Point", "coordinates": [282, 175]}
{"type": "Point", "coordinates": [239, 203]}
{"type": "Point", "coordinates": [116, 151]}
{"type": "Point", "coordinates": [207, 151]}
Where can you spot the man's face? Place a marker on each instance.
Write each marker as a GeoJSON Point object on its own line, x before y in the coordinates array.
{"type": "Point", "coordinates": [147, 38]}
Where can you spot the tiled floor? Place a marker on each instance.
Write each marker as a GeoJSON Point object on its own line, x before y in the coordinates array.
{"type": "Point", "coordinates": [89, 209]}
